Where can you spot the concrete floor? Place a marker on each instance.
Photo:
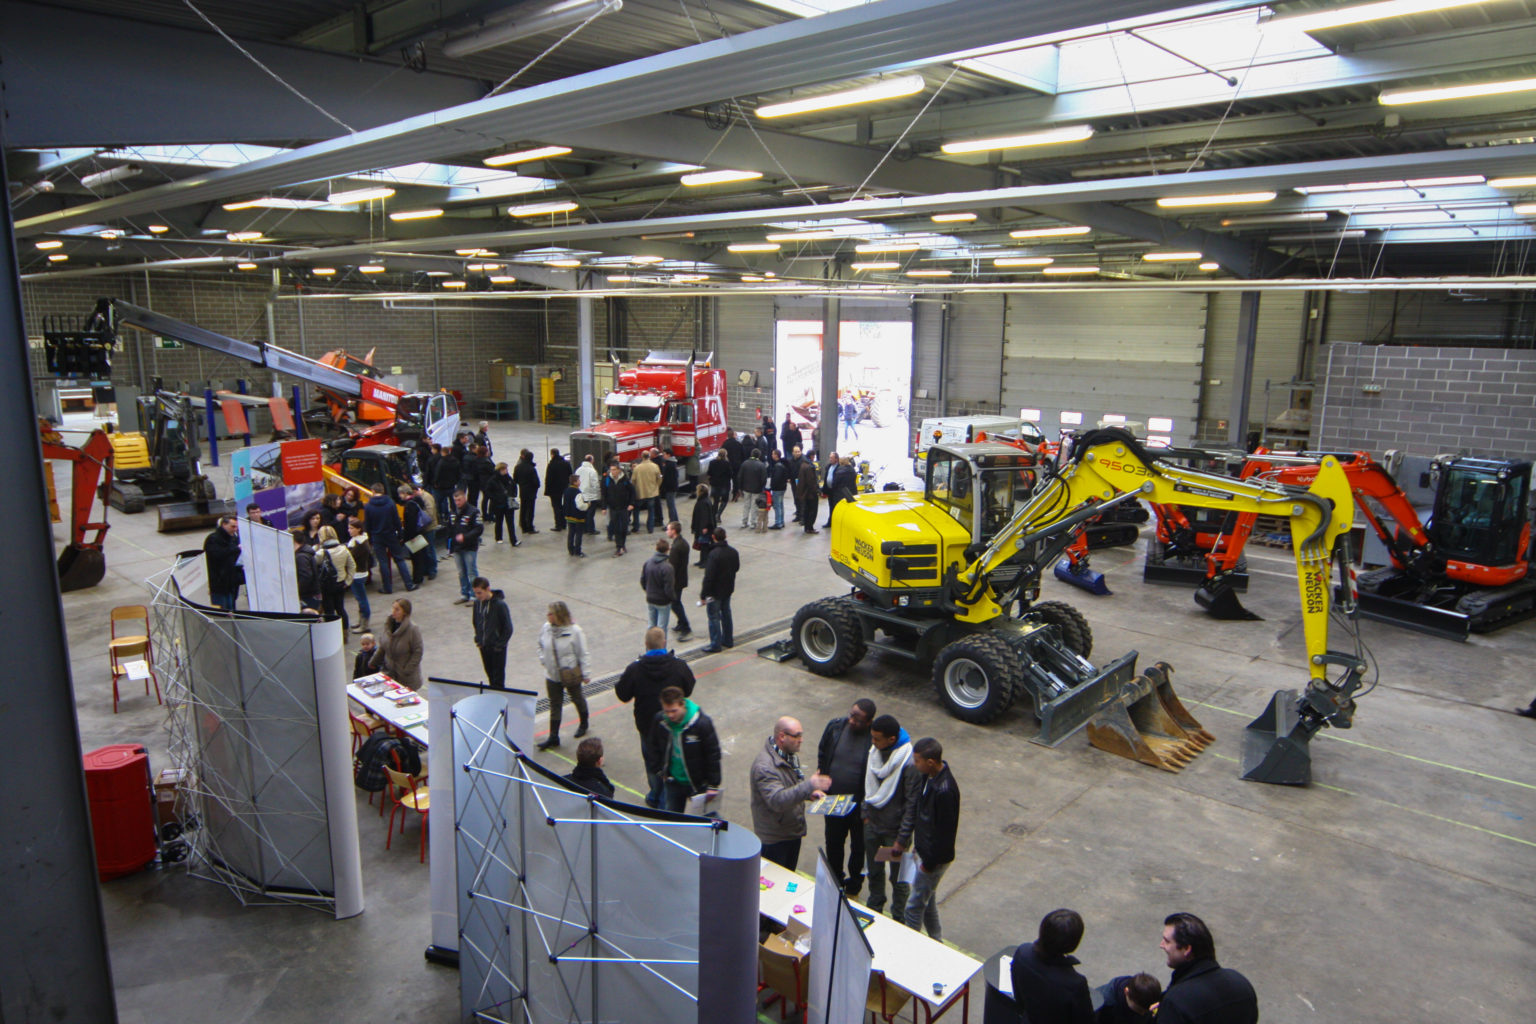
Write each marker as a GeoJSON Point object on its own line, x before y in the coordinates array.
{"type": "Point", "coordinates": [1399, 887]}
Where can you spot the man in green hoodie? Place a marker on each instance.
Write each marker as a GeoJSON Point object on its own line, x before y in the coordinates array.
{"type": "Point", "coordinates": [684, 750]}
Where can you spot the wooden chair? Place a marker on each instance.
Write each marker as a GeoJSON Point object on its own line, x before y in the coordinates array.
{"type": "Point", "coordinates": [407, 793]}
{"type": "Point", "coordinates": [885, 1000]}
{"type": "Point", "coordinates": [125, 647]}
{"type": "Point", "coordinates": [786, 974]}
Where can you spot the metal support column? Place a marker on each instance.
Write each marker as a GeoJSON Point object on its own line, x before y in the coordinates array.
{"type": "Point", "coordinates": [831, 336]}
{"type": "Point", "coordinates": [1242, 371]}
{"type": "Point", "coordinates": [53, 948]}
{"type": "Point", "coordinates": [584, 380]}
{"type": "Point", "coordinates": [209, 408]}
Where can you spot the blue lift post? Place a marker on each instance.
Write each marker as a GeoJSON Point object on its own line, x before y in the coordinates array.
{"type": "Point", "coordinates": [240, 387]}
{"type": "Point", "coordinates": [298, 411]}
{"type": "Point", "coordinates": [213, 434]}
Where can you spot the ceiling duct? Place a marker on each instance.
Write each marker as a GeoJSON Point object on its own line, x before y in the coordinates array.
{"type": "Point", "coordinates": [511, 26]}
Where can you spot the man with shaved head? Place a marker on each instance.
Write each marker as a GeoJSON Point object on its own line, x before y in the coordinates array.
{"type": "Point", "coordinates": [780, 789]}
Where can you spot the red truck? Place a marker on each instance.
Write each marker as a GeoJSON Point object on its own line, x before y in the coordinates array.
{"type": "Point", "coordinates": [673, 401]}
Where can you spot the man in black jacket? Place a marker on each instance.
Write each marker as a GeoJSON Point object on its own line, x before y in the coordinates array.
{"type": "Point", "coordinates": [684, 750]}
{"type": "Point", "coordinates": [445, 479]}
{"type": "Point", "coordinates": [309, 579]}
{"type": "Point", "coordinates": [1046, 989]}
{"type": "Point", "coordinates": [493, 631]}
{"type": "Point", "coordinates": [719, 584]}
{"type": "Point", "coordinates": [464, 529]}
{"type": "Point", "coordinates": [735, 451]}
{"type": "Point", "coordinates": [526, 476]}
{"type": "Point", "coordinates": [1201, 990]}
{"type": "Point", "coordinates": [642, 682]}
{"type": "Point", "coordinates": [789, 436]}
{"type": "Point", "coordinates": [677, 554]}
{"type": "Point", "coordinates": [719, 473]}
{"type": "Point", "coordinates": [842, 756]}
{"type": "Point", "coordinates": [750, 484]}
{"type": "Point", "coordinates": [670, 480]}
{"type": "Point", "coordinates": [778, 483]}
{"type": "Point", "coordinates": [933, 836]}
{"type": "Point", "coordinates": [807, 494]}
{"type": "Point", "coordinates": [382, 520]}
{"type": "Point", "coordinates": [589, 774]}
{"type": "Point", "coordinates": [221, 552]}
{"type": "Point", "coordinates": [619, 493]}
{"type": "Point", "coordinates": [557, 473]}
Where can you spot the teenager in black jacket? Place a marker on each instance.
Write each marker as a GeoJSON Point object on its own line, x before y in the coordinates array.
{"type": "Point", "coordinates": [933, 836]}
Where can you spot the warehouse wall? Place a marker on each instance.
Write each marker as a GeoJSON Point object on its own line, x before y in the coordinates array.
{"type": "Point", "coordinates": [1283, 319]}
{"type": "Point", "coordinates": [467, 337]}
{"type": "Point", "coordinates": [1480, 401]}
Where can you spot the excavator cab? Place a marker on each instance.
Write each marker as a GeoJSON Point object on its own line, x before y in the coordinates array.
{"type": "Point", "coordinates": [1482, 511]}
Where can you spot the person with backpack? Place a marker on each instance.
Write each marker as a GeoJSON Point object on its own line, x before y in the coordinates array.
{"type": "Point", "coordinates": [382, 523]}
{"type": "Point", "coordinates": [304, 559]}
{"type": "Point", "coordinates": [362, 562]}
{"type": "Point", "coordinates": [335, 568]}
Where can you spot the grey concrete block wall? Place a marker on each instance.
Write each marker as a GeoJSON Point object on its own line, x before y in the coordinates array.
{"type": "Point", "coordinates": [1477, 401]}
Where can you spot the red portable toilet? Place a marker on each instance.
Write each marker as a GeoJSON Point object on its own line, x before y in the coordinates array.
{"type": "Point", "coordinates": [122, 808]}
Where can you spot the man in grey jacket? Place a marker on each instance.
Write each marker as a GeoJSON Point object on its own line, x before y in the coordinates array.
{"type": "Point", "coordinates": [659, 581]}
{"type": "Point", "coordinates": [751, 482]}
{"type": "Point", "coordinates": [780, 789]}
{"type": "Point", "coordinates": [890, 806]}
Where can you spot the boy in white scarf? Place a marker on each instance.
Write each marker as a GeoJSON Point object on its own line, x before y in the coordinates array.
{"type": "Point", "coordinates": [890, 804]}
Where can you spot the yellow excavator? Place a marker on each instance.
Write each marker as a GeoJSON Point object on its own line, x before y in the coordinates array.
{"type": "Point", "coordinates": [950, 577]}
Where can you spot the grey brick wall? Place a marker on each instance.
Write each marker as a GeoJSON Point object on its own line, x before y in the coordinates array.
{"type": "Point", "coordinates": [1477, 401]}
{"type": "Point", "coordinates": [467, 337]}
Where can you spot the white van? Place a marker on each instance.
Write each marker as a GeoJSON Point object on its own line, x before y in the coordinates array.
{"type": "Point", "coordinates": [960, 429]}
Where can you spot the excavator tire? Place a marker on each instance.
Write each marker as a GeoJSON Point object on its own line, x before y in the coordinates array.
{"type": "Point", "coordinates": [828, 636]}
{"type": "Point", "coordinates": [977, 677]}
{"type": "Point", "coordinates": [1072, 623]}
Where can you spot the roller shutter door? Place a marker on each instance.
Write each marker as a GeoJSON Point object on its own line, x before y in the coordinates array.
{"type": "Point", "coordinates": [975, 354]}
{"type": "Point", "coordinates": [1136, 355]}
{"type": "Point", "coordinates": [1277, 351]}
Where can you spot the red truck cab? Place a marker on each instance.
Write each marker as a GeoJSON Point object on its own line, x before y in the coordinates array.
{"type": "Point", "coordinates": [673, 401]}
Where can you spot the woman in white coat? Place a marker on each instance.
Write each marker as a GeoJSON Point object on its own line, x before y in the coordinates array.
{"type": "Point", "coordinates": [563, 653]}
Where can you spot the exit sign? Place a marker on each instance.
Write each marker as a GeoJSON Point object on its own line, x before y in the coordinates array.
{"type": "Point", "coordinates": [161, 342]}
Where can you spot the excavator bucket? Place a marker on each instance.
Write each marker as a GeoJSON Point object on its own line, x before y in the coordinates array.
{"type": "Point", "coordinates": [1219, 597]}
{"type": "Point", "coordinates": [1275, 745]}
{"type": "Point", "coordinates": [1081, 576]}
{"type": "Point", "coordinates": [81, 567]}
{"type": "Point", "coordinates": [1148, 723]}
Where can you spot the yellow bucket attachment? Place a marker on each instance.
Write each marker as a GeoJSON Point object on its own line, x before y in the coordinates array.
{"type": "Point", "coordinates": [1148, 723]}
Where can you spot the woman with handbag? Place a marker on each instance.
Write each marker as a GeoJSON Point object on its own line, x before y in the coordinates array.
{"type": "Point", "coordinates": [362, 559]}
{"type": "Point", "coordinates": [500, 503]}
{"type": "Point", "coordinates": [563, 653]}
{"type": "Point", "coordinates": [702, 526]}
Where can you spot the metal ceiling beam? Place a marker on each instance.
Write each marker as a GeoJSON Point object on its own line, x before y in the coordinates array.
{"type": "Point", "coordinates": [1490, 161]}
{"type": "Point", "coordinates": [1417, 58]}
{"type": "Point", "coordinates": [171, 86]}
{"type": "Point", "coordinates": [883, 36]}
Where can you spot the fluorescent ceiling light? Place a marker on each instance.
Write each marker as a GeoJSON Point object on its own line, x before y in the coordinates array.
{"type": "Point", "coordinates": [876, 265]}
{"type": "Point", "coordinates": [245, 266]}
{"type": "Point", "coordinates": [1525, 209]}
{"type": "Point", "coordinates": [1050, 136]}
{"type": "Point", "coordinates": [718, 177]}
{"type": "Point", "coordinates": [888, 247]}
{"type": "Point", "coordinates": [360, 195]}
{"type": "Point", "coordinates": [493, 33]}
{"type": "Point", "coordinates": [1062, 271]}
{"type": "Point", "coordinates": [1023, 261]}
{"type": "Point", "coordinates": [647, 260]}
{"type": "Point", "coordinates": [158, 229]}
{"type": "Point", "coordinates": [1171, 257]}
{"type": "Point", "coordinates": [1320, 236]}
{"type": "Point", "coordinates": [523, 156]}
{"type": "Point", "coordinates": [1061, 232]}
{"type": "Point", "coordinates": [889, 89]}
{"type": "Point", "coordinates": [58, 257]}
{"type": "Point", "coordinates": [753, 278]}
{"type": "Point", "coordinates": [454, 284]}
{"type": "Point", "coordinates": [674, 234]}
{"type": "Point", "coordinates": [502, 279]}
{"type": "Point", "coordinates": [438, 273]}
{"type": "Point", "coordinates": [619, 278]}
{"type": "Point", "coordinates": [690, 278]}
{"type": "Point", "coordinates": [562, 263]}
{"type": "Point", "coordinates": [1318, 21]}
{"type": "Point", "coordinates": [800, 236]}
{"type": "Point", "coordinates": [416, 214]}
{"type": "Point", "coordinates": [752, 247]}
{"type": "Point", "coordinates": [1382, 186]}
{"type": "Point", "coordinates": [476, 267]}
{"type": "Point", "coordinates": [1209, 266]}
{"type": "Point", "coordinates": [1399, 97]}
{"type": "Point", "coordinates": [324, 271]}
{"type": "Point", "coordinates": [243, 236]}
{"type": "Point", "coordinates": [52, 243]}
{"type": "Point", "coordinates": [275, 203]}
{"type": "Point", "coordinates": [370, 268]}
{"type": "Point", "coordinates": [466, 252]}
{"type": "Point", "coordinates": [1523, 181]}
{"type": "Point", "coordinates": [542, 209]}
{"type": "Point", "coordinates": [111, 175]}
{"type": "Point", "coordinates": [1230, 199]}
{"type": "Point", "coordinates": [109, 234]}
{"type": "Point", "coordinates": [485, 253]}
{"type": "Point", "coordinates": [1275, 218]}
{"type": "Point", "coordinates": [952, 218]}
{"type": "Point", "coordinates": [929, 273]}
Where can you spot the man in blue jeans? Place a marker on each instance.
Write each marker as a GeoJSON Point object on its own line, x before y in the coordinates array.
{"type": "Point", "coordinates": [933, 835]}
{"type": "Point", "coordinates": [382, 520]}
{"type": "Point", "coordinates": [720, 569]}
{"type": "Point", "coordinates": [464, 529]}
